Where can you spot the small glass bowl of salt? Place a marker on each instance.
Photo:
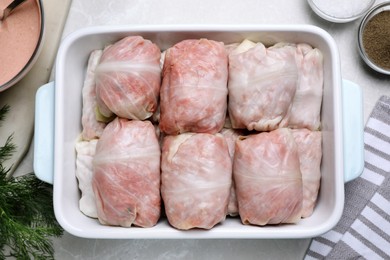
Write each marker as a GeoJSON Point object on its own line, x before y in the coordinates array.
{"type": "Point", "coordinates": [340, 11]}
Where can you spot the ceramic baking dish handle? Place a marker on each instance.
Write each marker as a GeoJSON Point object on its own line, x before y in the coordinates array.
{"type": "Point", "coordinates": [353, 127]}
{"type": "Point", "coordinates": [44, 133]}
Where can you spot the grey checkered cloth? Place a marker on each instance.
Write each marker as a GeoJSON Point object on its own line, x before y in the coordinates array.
{"type": "Point", "coordinates": [363, 231]}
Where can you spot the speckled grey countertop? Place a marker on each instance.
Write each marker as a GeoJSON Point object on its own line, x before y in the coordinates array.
{"type": "Point", "coordinates": [101, 12]}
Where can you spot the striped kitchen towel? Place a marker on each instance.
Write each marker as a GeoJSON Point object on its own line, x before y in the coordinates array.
{"type": "Point", "coordinates": [363, 231]}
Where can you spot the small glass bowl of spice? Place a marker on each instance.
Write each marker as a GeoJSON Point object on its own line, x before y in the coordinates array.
{"type": "Point", "coordinates": [374, 38]}
{"type": "Point", "coordinates": [340, 11]}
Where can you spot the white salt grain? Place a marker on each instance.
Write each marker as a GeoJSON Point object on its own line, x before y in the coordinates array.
{"type": "Point", "coordinates": [342, 8]}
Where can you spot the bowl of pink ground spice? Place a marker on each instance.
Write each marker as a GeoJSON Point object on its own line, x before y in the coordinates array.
{"type": "Point", "coordinates": [21, 40]}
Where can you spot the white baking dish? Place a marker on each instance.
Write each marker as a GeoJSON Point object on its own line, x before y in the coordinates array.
{"type": "Point", "coordinates": [342, 140]}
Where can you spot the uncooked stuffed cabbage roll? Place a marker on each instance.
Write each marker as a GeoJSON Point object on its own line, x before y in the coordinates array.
{"type": "Point", "coordinates": [306, 106]}
{"type": "Point", "coordinates": [262, 84]}
{"type": "Point", "coordinates": [275, 87]}
{"type": "Point", "coordinates": [85, 151]}
{"type": "Point", "coordinates": [92, 128]}
{"type": "Point", "coordinates": [268, 178]}
{"type": "Point", "coordinates": [126, 174]}
{"type": "Point", "coordinates": [196, 174]}
{"type": "Point", "coordinates": [310, 155]}
{"type": "Point", "coordinates": [231, 135]}
{"type": "Point", "coordinates": [128, 78]}
{"type": "Point", "coordinates": [194, 88]}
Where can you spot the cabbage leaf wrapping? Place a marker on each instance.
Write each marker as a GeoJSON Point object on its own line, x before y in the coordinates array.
{"type": "Point", "coordinates": [128, 79]}
{"type": "Point", "coordinates": [194, 87]}
{"type": "Point", "coordinates": [196, 176]}
{"type": "Point", "coordinates": [126, 174]}
{"type": "Point", "coordinates": [268, 178]}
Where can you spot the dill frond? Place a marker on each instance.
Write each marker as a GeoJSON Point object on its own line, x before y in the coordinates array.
{"type": "Point", "coordinates": [27, 220]}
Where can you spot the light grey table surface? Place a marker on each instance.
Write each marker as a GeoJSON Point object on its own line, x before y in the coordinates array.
{"type": "Point", "coordinates": [101, 12]}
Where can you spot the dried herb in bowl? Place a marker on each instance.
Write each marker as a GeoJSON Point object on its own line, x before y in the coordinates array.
{"type": "Point", "coordinates": [376, 39]}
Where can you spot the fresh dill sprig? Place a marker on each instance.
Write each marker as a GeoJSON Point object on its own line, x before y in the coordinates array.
{"type": "Point", "coordinates": [3, 111]}
{"type": "Point", "coordinates": [27, 220]}
{"type": "Point", "coordinates": [8, 148]}
{"type": "Point", "coordinates": [6, 152]}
